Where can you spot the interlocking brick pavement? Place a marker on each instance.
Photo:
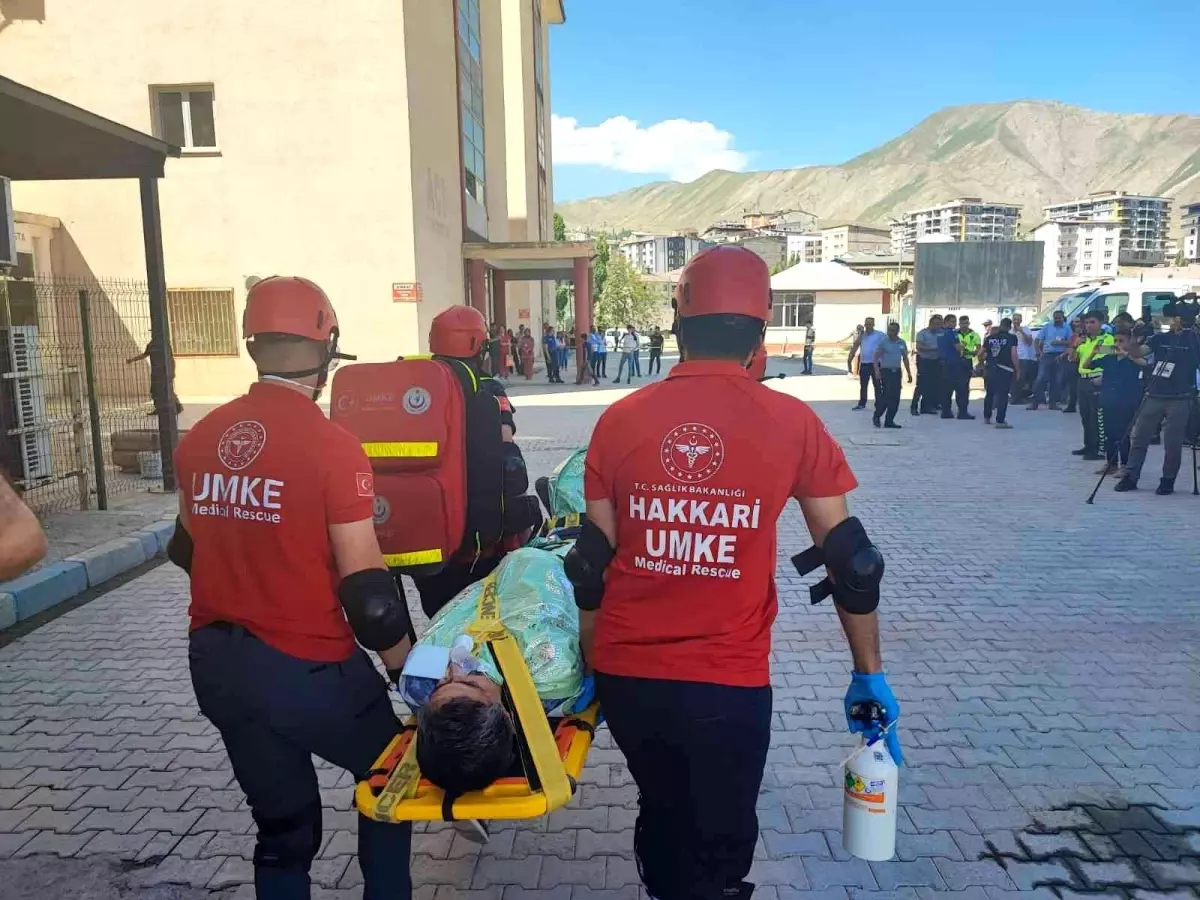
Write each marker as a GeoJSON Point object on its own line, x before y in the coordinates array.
{"type": "Point", "coordinates": [1044, 652]}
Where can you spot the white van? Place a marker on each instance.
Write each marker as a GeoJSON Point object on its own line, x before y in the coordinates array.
{"type": "Point", "coordinates": [1132, 295]}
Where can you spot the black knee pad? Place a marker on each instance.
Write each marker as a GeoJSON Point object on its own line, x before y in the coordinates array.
{"type": "Point", "coordinates": [289, 842]}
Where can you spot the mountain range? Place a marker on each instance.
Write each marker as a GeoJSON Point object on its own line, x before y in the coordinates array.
{"type": "Point", "coordinates": [1028, 152]}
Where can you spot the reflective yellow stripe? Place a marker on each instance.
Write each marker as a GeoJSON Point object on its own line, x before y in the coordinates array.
{"type": "Point", "coordinates": [400, 449]}
{"type": "Point", "coordinates": [416, 558]}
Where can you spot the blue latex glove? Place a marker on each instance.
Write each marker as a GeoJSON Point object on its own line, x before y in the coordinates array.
{"type": "Point", "coordinates": [587, 693]}
{"type": "Point", "coordinates": [873, 689]}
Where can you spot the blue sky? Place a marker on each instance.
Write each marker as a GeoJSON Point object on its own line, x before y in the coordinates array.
{"type": "Point", "coordinates": [765, 84]}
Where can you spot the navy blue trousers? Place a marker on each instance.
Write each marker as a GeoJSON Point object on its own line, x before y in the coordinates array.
{"type": "Point", "coordinates": [696, 752]}
{"type": "Point", "coordinates": [275, 712]}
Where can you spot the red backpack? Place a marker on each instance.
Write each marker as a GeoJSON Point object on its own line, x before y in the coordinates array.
{"type": "Point", "coordinates": [435, 496]}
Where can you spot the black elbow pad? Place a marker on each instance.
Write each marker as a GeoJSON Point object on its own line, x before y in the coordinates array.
{"type": "Point", "coordinates": [516, 476]}
{"type": "Point", "coordinates": [375, 609]}
{"type": "Point", "coordinates": [855, 564]}
{"type": "Point", "coordinates": [585, 564]}
{"type": "Point", "coordinates": [180, 547]}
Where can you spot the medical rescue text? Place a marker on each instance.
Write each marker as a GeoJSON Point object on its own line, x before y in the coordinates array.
{"type": "Point", "coordinates": [688, 541]}
{"type": "Point", "coordinates": [237, 497]}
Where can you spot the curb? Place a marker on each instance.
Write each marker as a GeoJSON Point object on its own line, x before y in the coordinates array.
{"type": "Point", "coordinates": [39, 590]}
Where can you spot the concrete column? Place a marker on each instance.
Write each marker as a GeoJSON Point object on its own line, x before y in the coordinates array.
{"type": "Point", "coordinates": [583, 308]}
{"type": "Point", "coordinates": [499, 299]}
{"type": "Point", "coordinates": [477, 273]}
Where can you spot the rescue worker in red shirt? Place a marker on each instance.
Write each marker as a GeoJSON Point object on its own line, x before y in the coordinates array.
{"type": "Point", "coordinates": [287, 580]}
{"type": "Point", "coordinates": [458, 335]}
{"type": "Point", "coordinates": [673, 575]}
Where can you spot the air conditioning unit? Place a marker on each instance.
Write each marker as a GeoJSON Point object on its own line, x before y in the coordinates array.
{"type": "Point", "coordinates": [24, 398]}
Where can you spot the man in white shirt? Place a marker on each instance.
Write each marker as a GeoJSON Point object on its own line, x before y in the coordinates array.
{"type": "Point", "coordinates": [628, 345]}
{"type": "Point", "coordinates": [1027, 359]}
{"type": "Point", "coordinates": [865, 345]}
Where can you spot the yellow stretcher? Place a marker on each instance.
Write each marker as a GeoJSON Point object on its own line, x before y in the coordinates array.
{"type": "Point", "coordinates": [552, 755]}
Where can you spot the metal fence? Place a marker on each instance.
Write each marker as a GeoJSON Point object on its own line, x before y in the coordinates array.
{"type": "Point", "coordinates": [78, 422]}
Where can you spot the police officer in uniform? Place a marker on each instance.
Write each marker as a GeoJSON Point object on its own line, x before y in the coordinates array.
{"type": "Point", "coordinates": [673, 575]}
{"type": "Point", "coordinates": [1094, 343]}
{"type": "Point", "coordinates": [458, 336]}
{"type": "Point", "coordinates": [287, 581]}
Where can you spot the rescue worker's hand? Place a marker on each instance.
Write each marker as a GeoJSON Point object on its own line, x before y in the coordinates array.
{"type": "Point", "coordinates": [873, 689]}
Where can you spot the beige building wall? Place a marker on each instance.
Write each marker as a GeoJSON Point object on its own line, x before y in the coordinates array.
{"type": "Point", "coordinates": [338, 154]}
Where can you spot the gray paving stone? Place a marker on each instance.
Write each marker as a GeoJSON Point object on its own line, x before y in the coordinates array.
{"type": "Point", "coordinates": [174, 870]}
{"type": "Point", "coordinates": [54, 844]}
{"type": "Point", "coordinates": [921, 872]}
{"type": "Point", "coordinates": [491, 871]}
{"type": "Point", "coordinates": [838, 873]}
{"type": "Point", "coordinates": [556, 872]}
{"type": "Point", "coordinates": [122, 846]}
{"type": "Point", "coordinates": [960, 875]}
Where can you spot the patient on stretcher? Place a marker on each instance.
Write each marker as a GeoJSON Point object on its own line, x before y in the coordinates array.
{"type": "Point", "coordinates": [465, 737]}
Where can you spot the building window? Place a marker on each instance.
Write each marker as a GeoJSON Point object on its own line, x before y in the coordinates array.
{"type": "Point", "coordinates": [1087, 254]}
{"type": "Point", "coordinates": [1087, 242]}
{"type": "Point", "coordinates": [790, 309]}
{"type": "Point", "coordinates": [1108, 242]}
{"type": "Point", "coordinates": [470, 95]}
{"type": "Point", "coordinates": [183, 116]}
{"type": "Point", "coordinates": [1107, 254]}
{"type": "Point", "coordinates": [203, 322]}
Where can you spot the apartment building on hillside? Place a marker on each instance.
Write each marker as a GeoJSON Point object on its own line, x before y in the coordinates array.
{"type": "Point", "coordinates": [656, 254]}
{"type": "Point", "coordinates": [392, 152]}
{"type": "Point", "coordinates": [837, 240]}
{"type": "Point", "coordinates": [1145, 222]}
{"type": "Point", "coordinates": [804, 247]}
{"type": "Point", "coordinates": [1078, 249]}
{"type": "Point", "coordinates": [1190, 231]}
{"type": "Point", "coordinates": [965, 219]}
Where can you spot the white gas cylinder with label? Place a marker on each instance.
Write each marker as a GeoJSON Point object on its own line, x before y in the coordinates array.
{"type": "Point", "coordinates": [871, 792]}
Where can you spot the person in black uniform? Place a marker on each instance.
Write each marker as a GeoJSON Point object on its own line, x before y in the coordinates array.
{"type": "Point", "coordinates": [999, 353]}
{"type": "Point", "coordinates": [656, 349]}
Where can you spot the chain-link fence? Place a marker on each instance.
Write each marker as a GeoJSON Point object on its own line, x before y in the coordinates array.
{"type": "Point", "coordinates": [75, 404]}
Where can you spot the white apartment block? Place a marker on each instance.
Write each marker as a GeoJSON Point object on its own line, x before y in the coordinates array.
{"type": "Point", "coordinates": [1145, 222]}
{"type": "Point", "coordinates": [965, 219]}
{"type": "Point", "coordinates": [656, 254]}
{"type": "Point", "coordinates": [1078, 249]}
{"type": "Point", "coordinates": [804, 247]}
{"type": "Point", "coordinates": [1191, 232]}
{"type": "Point", "coordinates": [838, 240]}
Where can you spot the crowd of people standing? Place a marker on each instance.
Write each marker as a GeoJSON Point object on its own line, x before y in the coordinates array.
{"type": "Point", "coordinates": [1093, 368]}
{"type": "Point", "coordinates": [512, 353]}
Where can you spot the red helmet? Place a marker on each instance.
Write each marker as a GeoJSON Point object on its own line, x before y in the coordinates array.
{"type": "Point", "coordinates": [288, 305]}
{"type": "Point", "coordinates": [724, 280]}
{"type": "Point", "coordinates": [459, 331]}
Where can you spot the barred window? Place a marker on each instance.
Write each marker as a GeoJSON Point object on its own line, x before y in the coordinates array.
{"type": "Point", "coordinates": [203, 322]}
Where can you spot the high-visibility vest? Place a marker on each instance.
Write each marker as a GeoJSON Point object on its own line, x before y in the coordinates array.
{"type": "Point", "coordinates": [1090, 348]}
{"type": "Point", "coordinates": [969, 342]}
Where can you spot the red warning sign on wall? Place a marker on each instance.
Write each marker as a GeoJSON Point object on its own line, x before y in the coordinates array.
{"type": "Point", "coordinates": [406, 292]}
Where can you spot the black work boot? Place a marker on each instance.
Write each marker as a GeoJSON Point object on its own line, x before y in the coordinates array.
{"type": "Point", "coordinates": [1125, 484]}
{"type": "Point", "coordinates": [1165, 486]}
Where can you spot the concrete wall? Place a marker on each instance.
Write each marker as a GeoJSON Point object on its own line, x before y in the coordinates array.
{"type": "Point", "coordinates": [338, 158]}
{"type": "Point", "coordinates": [836, 313]}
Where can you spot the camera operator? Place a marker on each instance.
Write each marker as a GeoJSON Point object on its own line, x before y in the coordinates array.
{"type": "Point", "coordinates": [1168, 401]}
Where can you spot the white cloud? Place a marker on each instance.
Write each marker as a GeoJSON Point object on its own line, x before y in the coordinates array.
{"type": "Point", "coordinates": [678, 148]}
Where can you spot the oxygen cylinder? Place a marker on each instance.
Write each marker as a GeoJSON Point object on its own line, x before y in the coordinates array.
{"type": "Point", "coordinates": [871, 791]}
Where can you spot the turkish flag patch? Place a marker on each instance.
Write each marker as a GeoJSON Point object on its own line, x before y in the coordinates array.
{"type": "Point", "coordinates": [366, 484]}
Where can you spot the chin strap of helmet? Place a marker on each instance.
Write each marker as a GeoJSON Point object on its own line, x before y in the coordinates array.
{"type": "Point", "coordinates": [321, 371]}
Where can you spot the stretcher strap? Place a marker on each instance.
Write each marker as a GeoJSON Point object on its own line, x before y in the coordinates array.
{"type": "Point", "coordinates": [401, 785]}
{"type": "Point", "coordinates": [530, 717]}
